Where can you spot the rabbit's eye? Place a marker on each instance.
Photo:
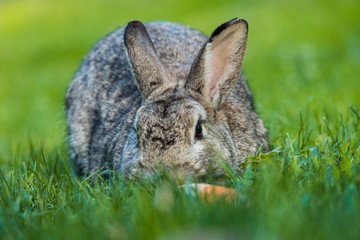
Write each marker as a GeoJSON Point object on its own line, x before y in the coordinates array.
{"type": "Point", "coordinates": [198, 131]}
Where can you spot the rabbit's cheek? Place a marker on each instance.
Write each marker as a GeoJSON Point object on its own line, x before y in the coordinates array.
{"type": "Point", "coordinates": [200, 168]}
{"type": "Point", "coordinates": [219, 150]}
{"type": "Point", "coordinates": [196, 150]}
{"type": "Point", "coordinates": [197, 157]}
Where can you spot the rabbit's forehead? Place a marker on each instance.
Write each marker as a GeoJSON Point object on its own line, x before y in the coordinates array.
{"type": "Point", "coordinates": [185, 111]}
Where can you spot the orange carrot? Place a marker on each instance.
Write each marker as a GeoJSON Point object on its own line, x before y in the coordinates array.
{"type": "Point", "coordinates": [210, 192]}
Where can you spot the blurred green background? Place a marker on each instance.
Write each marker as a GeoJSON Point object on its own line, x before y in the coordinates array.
{"type": "Point", "coordinates": [301, 55]}
{"type": "Point", "coordinates": [303, 66]}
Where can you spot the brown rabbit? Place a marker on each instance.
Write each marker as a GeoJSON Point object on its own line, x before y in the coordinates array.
{"type": "Point", "coordinates": [163, 94]}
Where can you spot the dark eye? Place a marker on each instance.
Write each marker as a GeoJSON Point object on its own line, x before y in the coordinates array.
{"type": "Point", "coordinates": [198, 131]}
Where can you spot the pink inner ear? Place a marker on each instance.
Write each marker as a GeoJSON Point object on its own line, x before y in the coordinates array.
{"type": "Point", "coordinates": [218, 58]}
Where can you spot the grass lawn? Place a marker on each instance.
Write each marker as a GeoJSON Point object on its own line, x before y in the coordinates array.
{"type": "Point", "coordinates": [303, 66]}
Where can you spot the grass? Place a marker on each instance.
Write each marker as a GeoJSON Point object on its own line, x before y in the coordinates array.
{"type": "Point", "coordinates": [302, 62]}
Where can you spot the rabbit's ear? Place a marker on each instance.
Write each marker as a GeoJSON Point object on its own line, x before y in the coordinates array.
{"type": "Point", "coordinates": [217, 68]}
{"type": "Point", "coordinates": [150, 74]}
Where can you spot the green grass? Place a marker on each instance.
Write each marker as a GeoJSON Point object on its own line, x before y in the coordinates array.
{"type": "Point", "coordinates": [303, 65]}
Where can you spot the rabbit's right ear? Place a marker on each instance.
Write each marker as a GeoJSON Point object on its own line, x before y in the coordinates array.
{"type": "Point", "coordinates": [150, 74]}
{"type": "Point", "coordinates": [217, 68]}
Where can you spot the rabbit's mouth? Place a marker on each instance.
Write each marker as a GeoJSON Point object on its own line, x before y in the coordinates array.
{"type": "Point", "coordinates": [198, 172]}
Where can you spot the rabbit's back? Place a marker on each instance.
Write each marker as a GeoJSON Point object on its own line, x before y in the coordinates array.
{"type": "Point", "coordinates": [103, 98]}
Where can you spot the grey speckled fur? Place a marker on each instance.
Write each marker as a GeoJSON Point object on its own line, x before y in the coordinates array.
{"type": "Point", "coordinates": [131, 107]}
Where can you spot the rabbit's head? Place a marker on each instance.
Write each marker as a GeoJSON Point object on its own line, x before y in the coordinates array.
{"type": "Point", "coordinates": [179, 124]}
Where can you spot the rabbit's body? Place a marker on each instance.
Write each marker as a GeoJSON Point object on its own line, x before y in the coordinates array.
{"type": "Point", "coordinates": [120, 122]}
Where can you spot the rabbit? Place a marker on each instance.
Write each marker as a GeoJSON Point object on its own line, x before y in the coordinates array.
{"type": "Point", "coordinates": [163, 94]}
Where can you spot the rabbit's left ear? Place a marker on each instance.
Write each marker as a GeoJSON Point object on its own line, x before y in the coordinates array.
{"type": "Point", "coordinates": [217, 68]}
{"type": "Point", "coordinates": [150, 74]}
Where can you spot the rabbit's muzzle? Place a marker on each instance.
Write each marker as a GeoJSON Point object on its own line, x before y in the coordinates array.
{"type": "Point", "coordinates": [197, 159]}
